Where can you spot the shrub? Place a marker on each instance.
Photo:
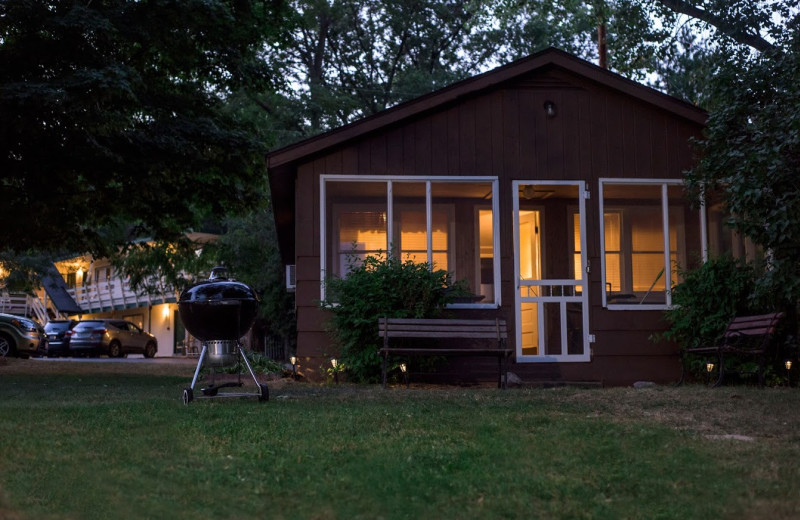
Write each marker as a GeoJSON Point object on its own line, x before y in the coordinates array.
{"type": "Point", "coordinates": [379, 286]}
{"type": "Point", "coordinates": [707, 299]}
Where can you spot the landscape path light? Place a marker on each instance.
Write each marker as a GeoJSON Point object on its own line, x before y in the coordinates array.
{"type": "Point", "coordinates": [335, 365]}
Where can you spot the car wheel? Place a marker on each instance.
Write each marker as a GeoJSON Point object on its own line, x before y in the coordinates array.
{"type": "Point", "coordinates": [6, 346]}
{"type": "Point", "coordinates": [150, 350]}
{"type": "Point", "coordinates": [114, 349]}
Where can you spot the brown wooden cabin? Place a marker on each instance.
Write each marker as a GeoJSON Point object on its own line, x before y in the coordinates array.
{"type": "Point", "coordinates": [552, 186]}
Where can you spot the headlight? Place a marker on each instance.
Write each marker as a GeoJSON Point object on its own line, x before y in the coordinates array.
{"type": "Point", "coordinates": [24, 325]}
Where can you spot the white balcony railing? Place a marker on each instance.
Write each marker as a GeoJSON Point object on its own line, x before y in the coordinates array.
{"type": "Point", "coordinates": [115, 294]}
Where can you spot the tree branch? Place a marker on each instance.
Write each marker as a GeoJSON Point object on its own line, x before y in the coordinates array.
{"type": "Point", "coordinates": [753, 40]}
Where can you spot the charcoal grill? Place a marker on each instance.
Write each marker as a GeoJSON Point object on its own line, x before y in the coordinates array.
{"type": "Point", "coordinates": [218, 312]}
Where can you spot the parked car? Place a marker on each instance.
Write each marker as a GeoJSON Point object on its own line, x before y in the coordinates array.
{"type": "Point", "coordinates": [20, 336]}
{"type": "Point", "coordinates": [58, 335]}
{"type": "Point", "coordinates": [113, 337]}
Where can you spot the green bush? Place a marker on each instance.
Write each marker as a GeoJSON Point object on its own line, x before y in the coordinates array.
{"type": "Point", "coordinates": [379, 286]}
{"type": "Point", "coordinates": [707, 299]}
{"type": "Point", "coordinates": [261, 365]}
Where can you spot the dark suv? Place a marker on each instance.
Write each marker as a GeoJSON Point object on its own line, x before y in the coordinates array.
{"type": "Point", "coordinates": [20, 336]}
{"type": "Point", "coordinates": [111, 336]}
{"type": "Point", "coordinates": [58, 334]}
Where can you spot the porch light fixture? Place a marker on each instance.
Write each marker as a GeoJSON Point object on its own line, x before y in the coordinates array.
{"type": "Point", "coordinates": [165, 314]}
{"type": "Point", "coordinates": [550, 109]}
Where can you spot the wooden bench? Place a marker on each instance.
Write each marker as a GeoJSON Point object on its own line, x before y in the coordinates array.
{"type": "Point", "coordinates": [447, 329]}
{"type": "Point", "coordinates": [744, 336]}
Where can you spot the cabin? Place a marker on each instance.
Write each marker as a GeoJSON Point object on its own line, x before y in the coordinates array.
{"type": "Point", "coordinates": [552, 187]}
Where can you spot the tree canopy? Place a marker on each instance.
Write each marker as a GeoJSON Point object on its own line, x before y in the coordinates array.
{"type": "Point", "coordinates": [123, 119]}
{"type": "Point", "coordinates": [114, 120]}
{"type": "Point", "coordinates": [751, 156]}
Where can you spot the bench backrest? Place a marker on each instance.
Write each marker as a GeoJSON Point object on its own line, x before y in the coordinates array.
{"type": "Point", "coordinates": [760, 325]}
{"type": "Point", "coordinates": [442, 328]}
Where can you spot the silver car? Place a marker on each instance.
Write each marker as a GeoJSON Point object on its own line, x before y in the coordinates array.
{"type": "Point", "coordinates": [113, 337]}
{"type": "Point", "coordinates": [20, 336]}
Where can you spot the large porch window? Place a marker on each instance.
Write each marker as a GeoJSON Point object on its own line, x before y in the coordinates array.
{"type": "Point", "coordinates": [447, 222]}
{"type": "Point", "coordinates": [644, 228]}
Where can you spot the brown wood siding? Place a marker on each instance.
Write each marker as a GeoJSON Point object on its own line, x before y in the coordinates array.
{"type": "Point", "coordinates": [597, 132]}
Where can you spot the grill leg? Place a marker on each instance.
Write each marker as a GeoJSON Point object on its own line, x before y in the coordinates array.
{"type": "Point", "coordinates": [247, 362]}
{"type": "Point", "coordinates": [199, 365]}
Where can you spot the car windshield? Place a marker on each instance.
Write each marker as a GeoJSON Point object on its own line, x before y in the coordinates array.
{"type": "Point", "coordinates": [88, 325]}
{"type": "Point", "coordinates": [56, 326]}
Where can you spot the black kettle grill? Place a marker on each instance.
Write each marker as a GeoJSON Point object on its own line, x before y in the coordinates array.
{"type": "Point", "coordinates": [218, 312]}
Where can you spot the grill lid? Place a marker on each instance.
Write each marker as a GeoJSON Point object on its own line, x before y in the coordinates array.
{"type": "Point", "coordinates": [219, 308]}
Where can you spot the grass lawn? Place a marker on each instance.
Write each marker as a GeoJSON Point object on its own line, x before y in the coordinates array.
{"type": "Point", "coordinates": [86, 440]}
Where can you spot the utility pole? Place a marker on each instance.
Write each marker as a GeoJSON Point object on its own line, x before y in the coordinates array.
{"type": "Point", "coordinates": [602, 48]}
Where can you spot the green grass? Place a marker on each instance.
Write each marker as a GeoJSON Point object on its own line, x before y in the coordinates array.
{"type": "Point", "coordinates": [83, 442]}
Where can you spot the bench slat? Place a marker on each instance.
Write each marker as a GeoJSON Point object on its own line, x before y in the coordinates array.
{"type": "Point", "coordinates": [448, 351]}
{"type": "Point", "coordinates": [443, 334]}
{"type": "Point", "coordinates": [445, 321]}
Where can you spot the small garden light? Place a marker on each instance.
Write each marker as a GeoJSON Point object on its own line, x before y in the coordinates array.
{"type": "Point", "coordinates": [293, 361]}
{"type": "Point", "coordinates": [709, 367]}
{"type": "Point", "coordinates": [404, 370]}
{"type": "Point", "coordinates": [335, 365]}
{"type": "Point", "coordinates": [788, 365]}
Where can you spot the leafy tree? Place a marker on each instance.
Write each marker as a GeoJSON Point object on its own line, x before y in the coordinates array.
{"type": "Point", "coordinates": [353, 58]}
{"type": "Point", "coordinates": [114, 123]}
{"type": "Point", "coordinates": [249, 249]}
{"type": "Point", "coordinates": [751, 155]}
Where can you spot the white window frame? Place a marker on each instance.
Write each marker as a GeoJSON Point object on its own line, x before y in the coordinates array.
{"type": "Point", "coordinates": [428, 180]}
{"type": "Point", "coordinates": [668, 279]}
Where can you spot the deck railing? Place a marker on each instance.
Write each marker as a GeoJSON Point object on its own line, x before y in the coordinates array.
{"type": "Point", "coordinates": [115, 293]}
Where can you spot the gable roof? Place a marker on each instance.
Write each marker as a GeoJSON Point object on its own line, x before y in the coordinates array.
{"type": "Point", "coordinates": [549, 57]}
{"type": "Point", "coordinates": [282, 162]}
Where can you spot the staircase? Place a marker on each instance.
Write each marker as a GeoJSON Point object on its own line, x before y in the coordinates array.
{"type": "Point", "coordinates": [25, 305]}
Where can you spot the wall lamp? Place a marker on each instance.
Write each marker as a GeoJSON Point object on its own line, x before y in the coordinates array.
{"type": "Point", "coordinates": [550, 109]}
